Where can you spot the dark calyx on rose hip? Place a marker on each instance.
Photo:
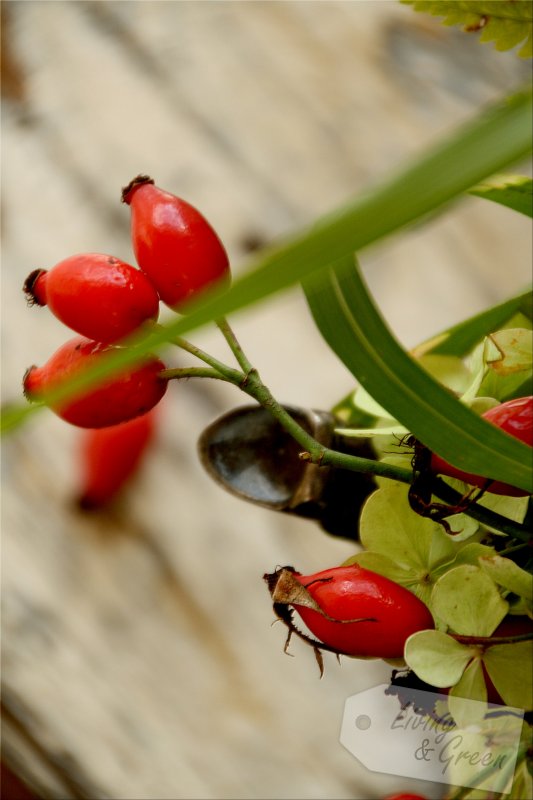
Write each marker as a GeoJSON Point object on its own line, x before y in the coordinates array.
{"type": "Point", "coordinates": [173, 243]}
{"type": "Point", "coordinates": [96, 295]}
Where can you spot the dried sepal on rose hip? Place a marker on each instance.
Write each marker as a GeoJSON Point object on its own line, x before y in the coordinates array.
{"type": "Point", "coordinates": [128, 394]}
{"type": "Point", "coordinates": [173, 243]}
{"type": "Point", "coordinates": [515, 417]}
{"type": "Point", "coordinates": [110, 457]}
{"type": "Point", "coordinates": [97, 295]}
{"type": "Point", "coordinates": [350, 610]}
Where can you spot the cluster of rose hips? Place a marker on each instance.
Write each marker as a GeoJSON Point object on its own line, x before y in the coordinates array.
{"type": "Point", "coordinates": [105, 300]}
{"type": "Point", "coordinates": [351, 610]}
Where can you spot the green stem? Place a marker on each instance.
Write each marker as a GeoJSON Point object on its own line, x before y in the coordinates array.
{"type": "Point", "coordinates": [254, 387]}
{"type": "Point", "coordinates": [485, 516]}
{"type": "Point", "coordinates": [323, 456]}
{"type": "Point", "coordinates": [332, 458]}
{"type": "Point", "coordinates": [250, 382]}
{"type": "Point", "coordinates": [513, 549]}
{"type": "Point", "coordinates": [192, 372]}
{"type": "Point", "coordinates": [234, 345]}
{"type": "Point", "coordinates": [222, 370]}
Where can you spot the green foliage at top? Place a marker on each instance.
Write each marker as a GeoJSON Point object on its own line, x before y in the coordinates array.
{"type": "Point", "coordinates": [507, 23]}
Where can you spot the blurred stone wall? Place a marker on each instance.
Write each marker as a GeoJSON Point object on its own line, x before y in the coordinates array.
{"type": "Point", "coordinates": [138, 656]}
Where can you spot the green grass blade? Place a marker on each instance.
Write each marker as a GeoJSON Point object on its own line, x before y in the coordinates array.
{"type": "Point", "coordinates": [492, 141]}
{"type": "Point", "coordinates": [512, 191]}
{"type": "Point", "coordinates": [351, 324]}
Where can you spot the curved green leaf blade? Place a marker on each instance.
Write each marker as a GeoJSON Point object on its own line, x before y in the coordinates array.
{"type": "Point", "coordinates": [455, 341]}
{"type": "Point", "coordinates": [492, 141]}
{"type": "Point", "coordinates": [513, 191]}
{"type": "Point", "coordinates": [351, 324]}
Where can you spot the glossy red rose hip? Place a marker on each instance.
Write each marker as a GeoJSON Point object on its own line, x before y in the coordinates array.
{"type": "Point", "coordinates": [515, 417]}
{"type": "Point", "coordinates": [173, 243]}
{"type": "Point", "coordinates": [110, 457]}
{"type": "Point", "coordinates": [405, 796]}
{"type": "Point", "coordinates": [351, 593]}
{"type": "Point", "coordinates": [134, 391]}
{"type": "Point", "coordinates": [96, 295]}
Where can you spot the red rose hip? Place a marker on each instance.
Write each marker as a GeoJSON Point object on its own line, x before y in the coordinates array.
{"type": "Point", "coordinates": [173, 243]}
{"type": "Point", "coordinates": [110, 457]}
{"type": "Point", "coordinates": [405, 796]}
{"type": "Point", "coordinates": [132, 392]}
{"type": "Point", "coordinates": [96, 295]}
{"type": "Point", "coordinates": [515, 417]}
{"type": "Point", "coordinates": [356, 612]}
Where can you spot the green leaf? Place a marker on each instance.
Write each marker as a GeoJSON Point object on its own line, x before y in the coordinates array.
{"type": "Point", "coordinates": [503, 22]}
{"type": "Point", "coordinates": [436, 658]}
{"type": "Point", "coordinates": [506, 573]}
{"type": "Point", "coordinates": [461, 338]}
{"type": "Point", "coordinates": [370, 433]}
{"type": "Point", "coordinates": [514, 508]}
{"type": "Point", "coordinates": [464, 526]}
{"type": "Point", "coordinates": [493, 140]}
{"type": "Point", "coordinates": [447, 370]}
{"type": "Point", "coordinates": [450, 371]}
{"type": "Point", "coordinates": [470, 686]}
{"type": "Point", "coordinates": [482, 404]}
{"type": "Point", "coordinates": [482, 751]}
{"type": "Point", "coordinates": [514, 348]}
{"type": "Point", "coordinates": [382, 565]}
{"type": "Point", "coordinates": [501, 365]}
{"type": "Point", "coordinates": [467, 600]}
{"type": "Point", "coordinates": [470, 553]}
{"type": "Point", "coordinates": [513, 191]}
{"type": "Point", "coordinates": [511, 669]}
{"type": "Point", "coordinates": [400, 544]}
{"type": "Point", "coordinates": [389, 526]}
{"type": "Point", "coordinates": [368, 405]}
{"type": "Point", "coordinates": [522, 787]}
{"type": "Point", "coordinates": [347, 413]}
{"type": "Point", "coordinates": [351, 324]}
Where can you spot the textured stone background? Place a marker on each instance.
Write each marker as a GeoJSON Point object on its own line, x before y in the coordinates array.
{"type": "Point", "coordinates": [138, 657]}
